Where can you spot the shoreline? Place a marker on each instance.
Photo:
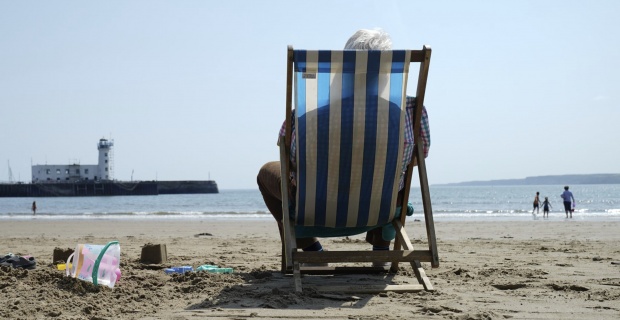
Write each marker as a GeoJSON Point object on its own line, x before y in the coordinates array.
{"type": "Point", "coordinates": [488, 269]}
{"type": "Point", "coordinates": [223, 217]}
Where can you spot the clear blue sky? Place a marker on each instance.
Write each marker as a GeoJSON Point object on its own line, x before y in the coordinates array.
{"type": "Point", "coordinates": [192, 88]}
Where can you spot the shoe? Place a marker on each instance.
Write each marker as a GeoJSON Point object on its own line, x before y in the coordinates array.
{"type": "Point", "coordinates": [6, 257]}
{"type": "Point", "coordinates": [314, 265]}
{"type": "Point", "coordinates": [15, 261]}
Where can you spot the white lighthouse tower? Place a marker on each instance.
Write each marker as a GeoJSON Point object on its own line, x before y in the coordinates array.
{"type": "Point", "coordinates": [105, 166]}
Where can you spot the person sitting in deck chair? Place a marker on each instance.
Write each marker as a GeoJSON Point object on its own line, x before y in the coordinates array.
{"type": "Point", "coordinates": [269, 176]}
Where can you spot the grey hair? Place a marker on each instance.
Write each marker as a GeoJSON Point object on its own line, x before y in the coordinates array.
{"type": "Point", "coordinates": [366, 39]}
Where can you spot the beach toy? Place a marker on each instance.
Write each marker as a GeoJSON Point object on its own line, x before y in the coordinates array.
{"type": "Point", "coordinates": [214, 269]}
{"type": "Point", "coordinates": [62, 266]}
{"type": "Point", "coordinates": [206, 267]}
{"type": "Point", "coordinates": [99, 264]}
{"type": "Point", "coordinates": [181, 269]}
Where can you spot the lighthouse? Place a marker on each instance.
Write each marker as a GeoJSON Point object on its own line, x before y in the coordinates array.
{"type": "Point", "coordinates": [105, 166]}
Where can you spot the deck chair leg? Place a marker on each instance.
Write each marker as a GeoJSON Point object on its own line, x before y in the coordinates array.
{"type": "Point", "coordinates": [283, 260]}
{"type": "Point", "coordinates": [421, 275]}
{"type": "Point", "coordinates": [289, 244]}
{"type": "Point", "coordinates": [297, 276]}
{"type": "Point", "coordinates": [403, 239]}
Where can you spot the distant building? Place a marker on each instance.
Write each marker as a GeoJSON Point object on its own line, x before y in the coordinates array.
{"type": "Point", "coordinates": [102, 171]}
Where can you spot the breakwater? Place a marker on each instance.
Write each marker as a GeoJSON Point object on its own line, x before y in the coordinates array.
{"type": "Point", "coordinates": [106, 188]}
{"type": "Point", "coordinates": [187, 187]}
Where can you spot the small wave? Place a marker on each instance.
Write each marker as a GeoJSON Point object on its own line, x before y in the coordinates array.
{"type": "Point", "coordinates": [140, 216]}
{"type": "Point", "coordinates": [482, 211]}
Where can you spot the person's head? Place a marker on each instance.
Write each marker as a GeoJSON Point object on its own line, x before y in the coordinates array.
{"type": "Point", "coordinates": [566, 188]}
{"type": "Point", "coordinates": [367, 39]}
{"type": "Point", "coordinates": [537, 193]}
{"type": "Point", "coordinates": [546, 198]}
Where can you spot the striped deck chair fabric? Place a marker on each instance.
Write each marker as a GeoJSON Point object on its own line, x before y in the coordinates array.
{"type": "Point", "coordinates": [349, 122]}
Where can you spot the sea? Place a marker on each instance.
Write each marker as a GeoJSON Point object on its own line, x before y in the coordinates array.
{"type": "Point", "coordinates": [449, 203]}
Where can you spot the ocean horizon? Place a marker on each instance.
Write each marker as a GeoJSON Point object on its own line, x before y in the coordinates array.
{"type": "Point", "coordinates": [449, 203]}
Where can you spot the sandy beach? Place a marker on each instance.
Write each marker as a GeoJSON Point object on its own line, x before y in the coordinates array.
{"type": "Point", "coordinates": [489, 270]}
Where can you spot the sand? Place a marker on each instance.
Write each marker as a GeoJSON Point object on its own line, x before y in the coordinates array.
{"type": "Point", "coordinates": [489, 270]}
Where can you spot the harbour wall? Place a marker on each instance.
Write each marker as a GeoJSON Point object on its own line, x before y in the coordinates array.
{"type": "Point", "coordinates": [106, 188]}
{"type": "Point", "coordinates": [187, 187]}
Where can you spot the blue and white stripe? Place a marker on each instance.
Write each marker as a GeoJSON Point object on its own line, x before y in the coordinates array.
{"type": "Point", "coordinates": [350, 117]}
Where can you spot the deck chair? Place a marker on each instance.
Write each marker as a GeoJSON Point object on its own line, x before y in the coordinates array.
{"type": "Point", "coordinates": [349, 123]}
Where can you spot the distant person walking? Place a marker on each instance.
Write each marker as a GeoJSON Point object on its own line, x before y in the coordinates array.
{"type": "Point", "coordinates": [34, 208]}
{"type": "Point", "coordinates": [536, 203]}
{"type": "Point", "coordinates": [568, 196]}
{"type": "Point", "coordinates": [546, 205]}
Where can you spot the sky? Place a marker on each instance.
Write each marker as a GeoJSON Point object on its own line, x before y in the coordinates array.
{"type": "Point", "coordinates": [195, 90]}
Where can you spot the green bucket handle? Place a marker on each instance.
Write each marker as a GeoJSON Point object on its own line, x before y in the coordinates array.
{"type": "Point", "coordinates": [101, 254]}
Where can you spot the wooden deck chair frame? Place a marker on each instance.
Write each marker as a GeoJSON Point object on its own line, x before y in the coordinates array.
{"type": "Point", "coordinates": [403, 249]}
